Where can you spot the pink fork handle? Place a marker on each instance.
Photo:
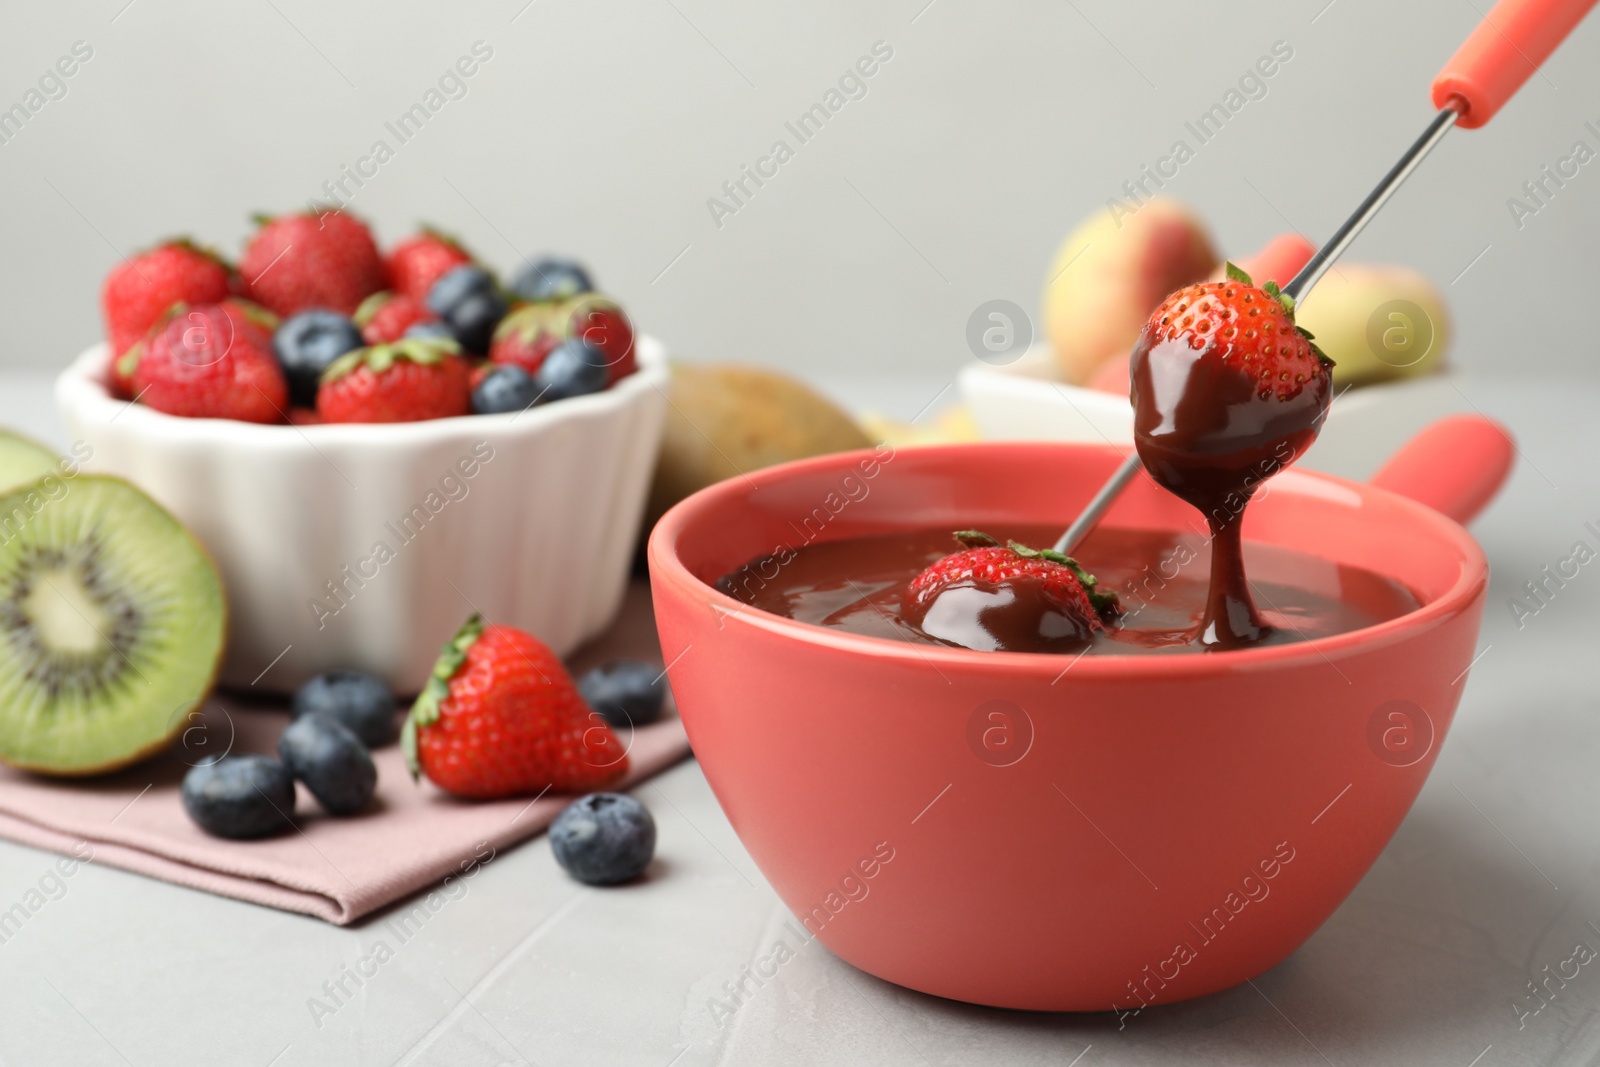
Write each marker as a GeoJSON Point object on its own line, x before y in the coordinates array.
{"type": "Point", "coordinates": [1513, 40]}
{"type": "Point", "coordinates": [1455, 465]}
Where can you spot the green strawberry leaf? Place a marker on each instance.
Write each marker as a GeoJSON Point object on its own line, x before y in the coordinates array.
{"type": "Point", "coordinates": [975, 539]}
{"type": "Point", "coordinates": [379, 358]}
{"type": "Point", "coordinates": [369, 307]}
{"type": "Point", "coordinates": [1237, 275]}
{"type": "Point", "coordinates": [1101, 601]}
{"type": "Point", "coordinates": [426, 708]}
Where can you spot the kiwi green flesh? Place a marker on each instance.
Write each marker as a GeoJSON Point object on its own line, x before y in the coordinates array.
{"type": "Point", "coordinates": [23, 461]}
{"type": "Point", "coordinates": [111, 625]}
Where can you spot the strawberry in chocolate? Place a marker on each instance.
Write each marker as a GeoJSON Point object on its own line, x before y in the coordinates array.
{"type": "Point", "coordinates": [1006, 598]}
{"type": "Point", "coordinates": [501, 717]}
{"type": "Point", "coordinates": [1226, 391]}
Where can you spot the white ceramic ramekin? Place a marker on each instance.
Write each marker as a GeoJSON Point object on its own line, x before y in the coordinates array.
{"type": "Point", "coordinates": [365, 546]}
{"type": "Point", "coordinates": [1022, 401]}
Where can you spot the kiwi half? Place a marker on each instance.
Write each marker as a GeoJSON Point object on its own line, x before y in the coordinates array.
{"type": "Point", "coordinates": [23, 461]}
{"type": "Point", "coordinates": [111, 625]}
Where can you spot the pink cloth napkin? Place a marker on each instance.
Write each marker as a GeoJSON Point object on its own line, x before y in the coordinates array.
{"type": "Point", "coordinates": [412, 837]}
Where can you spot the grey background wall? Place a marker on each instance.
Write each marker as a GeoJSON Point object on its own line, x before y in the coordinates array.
{"type": "Point", "coordinates": [603, 128]}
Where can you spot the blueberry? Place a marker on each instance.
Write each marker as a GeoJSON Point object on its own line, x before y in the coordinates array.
{"type": "Point", "coordinates": [573, 367]}
{"type": "Point", "coordinates": [604, 838]}
{"type": "Point", "coordinates": [331, 761]}
{"type": "Point", "coordinates": [506, 388]}
{"type": "Point", "coordinates": [626, 692]}
{"type": "Point", "coordinates": [468, 302]}
{"type": "Point", "coordinates": [551, 279]}
{"type": "Point", "coordinates": [240, 796]}
{"type": "Point", "coordinates": [306, 343]}
{"type": "Point", "coordinates": [358, 701]}
{"type": "Point", "coordinates": [430, 331]}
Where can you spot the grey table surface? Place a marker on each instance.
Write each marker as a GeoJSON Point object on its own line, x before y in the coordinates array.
{"type": "Point", "coordinates": [1493, 877]}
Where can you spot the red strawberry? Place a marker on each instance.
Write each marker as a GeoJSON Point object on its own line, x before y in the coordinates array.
{"type": "Point", "coordinates": [417, 262]}
{"type": "Point", "coordinates": [406, 381]}
{"type": "Point", "coordinates": [211, 361]}
{"type": "Point", "coordinates": [325, 260]}
{"type": "Point", "coordinates": [603, 324]}
{"type": "Point", "coordinates": [385, 317]}
{"type": "Point", "coordinates": [526, 336]}
{"type": "Point", "coordinates": [501, 717]}
{"type": "Point", "coordinates": [1249, 330]}
{"type": "Point", "coordinates": [995, 597]}
{"type": "Point", "coordinates": [140, 291]}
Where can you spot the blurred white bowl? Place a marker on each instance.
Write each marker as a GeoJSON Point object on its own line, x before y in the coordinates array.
{"type": "Point", "coordinates": [1023, 401]}
{"type": "Point", "coordinates": [365, 546]}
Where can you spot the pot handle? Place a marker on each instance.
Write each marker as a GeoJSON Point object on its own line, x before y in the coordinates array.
{"type": "Point", "coordinates": [1455, 465]}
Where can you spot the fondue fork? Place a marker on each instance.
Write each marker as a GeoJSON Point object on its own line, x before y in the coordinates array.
{"type": "Point", "coordinates": [1513, 40]}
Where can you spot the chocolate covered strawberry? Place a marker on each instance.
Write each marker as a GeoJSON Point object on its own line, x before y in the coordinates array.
{"type": "Point", "coordinates": [1226, 391]}
{"type": "Point", "coordinates": [406, 381]}
{"type": "Point", "coordinates": [323, 260]}
{"type": "Point", "coordinates": [501, 717]}
{"type": "Point", "coordinates": [140, 291]}
{"type": "Point", "coordinates": [417, 262]}
{"type": "Point", "coordinates": [1006, 598]}
{"type": "Point", "coordinates": [211, 361]}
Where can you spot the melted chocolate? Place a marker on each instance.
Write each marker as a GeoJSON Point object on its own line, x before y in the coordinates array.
{"type": "Point", "coordinates": [858, 585]}
{"type": "Point", "coordinates": [1206, 434]}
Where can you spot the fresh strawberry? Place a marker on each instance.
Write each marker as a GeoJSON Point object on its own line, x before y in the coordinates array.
{"type": "Point", "coordinates": [140, 291]}
{"type": "Point", "coordinates": [1009, 597]}
{"type": "Point", "coordinates": [1249, 330]}
{"type": "Point", "coordinates": [325, 260]}
{"type": "Point", "coordinates": [211, 361]}
{"type": "Point", "coordinates": [501, 717]}
{"type": "Point", "coordinates": [386, 316]}
{"type": "Point", "coordinates": [527, 335]}
{"type": "Point", "coordinates": [417, 262]}
{"type": "Point", "coordinates": [406, 381]}
{"type": "Point", "coordinates": [603, 324]}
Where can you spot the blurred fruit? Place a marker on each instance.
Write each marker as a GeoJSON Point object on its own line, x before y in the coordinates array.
{"type": "Point", "coordinates": [626, 692]}
{"type": "Point", "coordinates": [467, 300]}
{"type": "Point", "coordinates": [23, 461]}
{"type": "Point", "coordinates": [604, 838]}
{"type": "Point", "coordinates": [417, 262]}
{"type": "Point", "coordinates": [389, 316]}
{"type": "Point", "coordinates": [728, 420]}
{"type": "Point", "coordinates": [212, 361]}
{"type": "Point", "coordinates": [361, 701]}
{"type": "Point", "coordinates": [327, 260]}
{"type": "Point", "coordinates": [1111, 273]}
{"type": "Point", "coordinates": [240, 797]}
{"type": "Point", "coordinates": [407, 381]}
{"type": "Point", "coordinates": [139, 291]}
{"type": "Point", "coordinates": [502, 389]}
{"type": "Point", "coordinates": [1277, 261]}
{"type": "Point", "coordinates": [551, 278]}
{"type": "Point", "coordinates": [573, 368]}
{"type": "Point", "coordinates": [332, 762]}
{"type": "Point", "coordinates": [1378, 323]}
{"type": "Point", "coordinates": [306, 343]}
